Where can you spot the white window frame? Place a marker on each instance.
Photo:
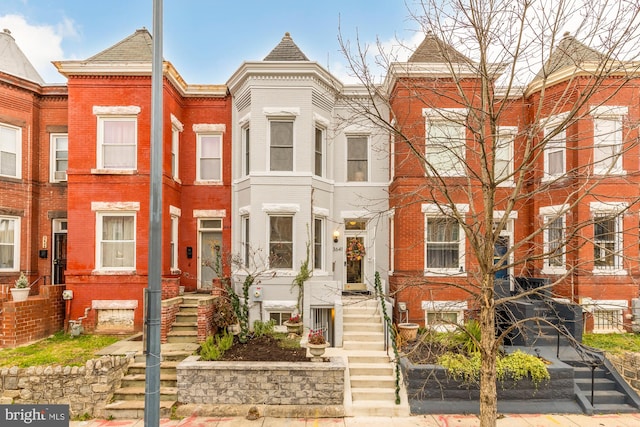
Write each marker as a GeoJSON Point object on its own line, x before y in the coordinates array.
{"type": "Point", "coordinates": [319, 150]}
{"type": "Point", "coordinates": [18, 148]}
{"type": "Point", "coordinates": [554, 145]}
{"type": "Point", "coordinates": [549, 214]}
{"type": "Point", "coordinates": [615, 307]}
{"type": "Point", "coordinates": [245, 221]}
{"type": "Point", "coordinates": [176, 129]}
{"type": "Point", "coordinates": [614, 211]}
{"type": "Point", "coordinates": [506, 140]}
{"type": "Point", "coordinates": [434, 211]}
{"type": "Point", "coordinates": [245, 132]}
{"type": "Point", "coordinates": [175, 214]}
{"type": "Point", "coordinates": [608, 165]}
{"type": "Point", "coordinates": [199, 138]}
{"type": "Point", "coordinates": [318, 245]}
{"type": "Point", "coordinates": [285, 119]}
{"type": "Point", "coordinates": [367, 172]}
{"type": "Point", "coordinates": [115, 113]}
{"type": "Point", "coordinates": [16, 243]}
{"type": "Point", "coordinates": [100, 216]}
{"type": "Point", "coordinates": [456, 307]}
{"type": "Point", "coordinates": [53, 139]}
{"type": "Point", "coordinates": [293, 239]}
{"type": "Point", "coordinates": [455, 165]}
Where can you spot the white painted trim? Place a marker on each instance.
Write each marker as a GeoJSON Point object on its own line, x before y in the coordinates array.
{"type": "Point", "coordinates": [281, 111]}
{"type": "Point", "coordinates": [609, 111]}
{"type": "Point", "coordinates": [177, 124]}
{"type": "Point", "coordinates": [124, 110]}
{"type": "Point", "coordinates": [444, 305]}
{"type": "Point", "coordinates": [209, 127]}
{"type": "Point", "coordinates": [608, 207]}
{"type": "Point", "coordinates": [355, 214]}
{"type": "Point", "coordinates": [321, 120]}
{"type": "Point", "coordinates": [289, 208]}
{"type": "Point", "coordinates": [436, 209]}
{"type": "Point", "coordinates": [244, 210]}
{"type": "Point", "coordinates": [209, 213]}
{"type": "Point", "coordinates": [320, 211]}
{"type": "Point", "coordinates": [115, 206]}
{"type": "Point", "coordinates": [175, 211]}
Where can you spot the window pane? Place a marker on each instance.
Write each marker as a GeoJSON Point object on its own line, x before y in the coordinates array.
{"type": "Point", "coordinates": [281, 153]}
{"type": "Point", "coordinates": [7, 239]}
{"type": "Point", "coordinates": [604, 245]}
{"type": "Point", "coordinates": [445, 147]}
{"type": "Point", "coordinates": [8, 165]}
{"type": "Point", "coordinates": [503, 157]}
{"type": "Point", "coordinates": [118, 244]}
{"type": "Point", "coordinates": [318, 152]}
{"type": "Point", "coordinates": [357, 158]}
{"type": "Point", "coordinates": [556, 237]}
{"type": "Point", "coordinates": [443, 248]}
{"type": "Point", "coordinates": [281, 159]}
{"type": "Point", "coordinates": [281, 242]}
{"type": "Point", "coordinates": [556, 162]}
{"type": "Point", "coordinates": [317, 244]}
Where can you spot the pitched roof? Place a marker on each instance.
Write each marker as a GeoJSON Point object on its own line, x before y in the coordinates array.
{"type": "Point", "coordinates": [138, 47]}
{"type": "Point", "coordinates": [286, 50]}
{"type": "Point", "coordinates": [570, 52]}
{"type": "Point", "coordinates": [13, 61]}
{"type": "Point", "coordinates": [433, 50]}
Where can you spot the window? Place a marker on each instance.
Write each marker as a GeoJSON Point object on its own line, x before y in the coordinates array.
{"type": "Point", "coordinates": [607, 321]}
{"type": "Point", "coordinates": [605, 242]}
{"type": "Point", "coordinates": [281, 153]}
{"type": "Point", "coordinates": [554, 153]}
{"type": "Point", "coordinates": [116, 241]}
{"type": "Point", "coordinates": [117, 142]}
{"type": "Point", "coordinates": [173, 256]}
{"type": "Point", "coordinates": [319, 152]}
{"type": "Point", "coordinates": [318, 233]}
{"type": "Point", "coordinates": [209, 157]}
{"type": "Point", "coordinates": [443, 245]}
{"type": "Point", "coordinates": [553, 223]}
{"type": "Point", "coordinates": [607, 145]}
{"type": "Point", "coordinates": [246, 247]}
{"type": "Point", "coordinates": [446, 148]}
{"type": "Point", "coordinates": [357, 158]}
{"type": "Point", "coordinates": [59, 157]}
{"type": "Point", "coordinates": [281, 241]}
{"type": "Point", "coordinates": [246, 144]}
{"type": "Point", "coordinates": [9, 243]}
{"type": "Point", "coordinates": [443, 316]}
{"type": "Point", "coordinates": [279, 317]}
{"type": "Point", "coordinates": [175, 152]}
{"type": "Point", "coordinates": [503, 159]}
{"type": "Point", "coordinates": [10, 151]}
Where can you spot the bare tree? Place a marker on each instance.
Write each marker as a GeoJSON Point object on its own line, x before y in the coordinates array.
{"type": "Point", "coordinates": [501, 121]}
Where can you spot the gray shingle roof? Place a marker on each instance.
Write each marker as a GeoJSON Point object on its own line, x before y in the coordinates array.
{"type": "Point", "coordinates": [435, 51]}
{"type": "Point", "coordinates": [138, 47]}
{"type": "Point", "coordinates": [570, 52]}
{"type": "Point", "coordinates": [286, 50]}
{"type": "Point", "coordinates": [13, 61]}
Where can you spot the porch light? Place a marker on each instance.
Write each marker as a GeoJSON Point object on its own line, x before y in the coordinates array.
{"type": "Point", "coordinates": [336, 236]}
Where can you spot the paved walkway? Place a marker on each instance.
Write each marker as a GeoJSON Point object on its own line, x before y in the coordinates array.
{"type": "Point", "coordinates": [531, 420]}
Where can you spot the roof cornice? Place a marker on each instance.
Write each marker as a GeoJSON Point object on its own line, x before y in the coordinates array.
{"type": "Point", "coordinates": [281, 68]}
{"type": "Point", "coordinates": [83, 68]}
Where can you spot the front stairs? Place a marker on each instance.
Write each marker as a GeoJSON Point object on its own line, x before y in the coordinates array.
{"type": "Point", "coordinates": [371, 383]}
{"type": "Point", "coordinates": [128, 400]}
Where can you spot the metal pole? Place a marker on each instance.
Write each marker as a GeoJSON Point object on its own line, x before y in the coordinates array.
{"type": "Point", "coordinates": [152, 382]}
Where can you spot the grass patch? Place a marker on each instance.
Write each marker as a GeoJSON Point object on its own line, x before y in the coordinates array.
{"type": "Point", "coordinates": [613, 343]}
{"type": "Point", "coordinates": [59, 349]}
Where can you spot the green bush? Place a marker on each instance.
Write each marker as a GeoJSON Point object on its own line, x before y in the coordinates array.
{"type": "Point", "coordinates": [263, 328]}
{"type": "Point", "coordinates": [469, 337]}
{"type": "Point", "coordinates": [214, 346]}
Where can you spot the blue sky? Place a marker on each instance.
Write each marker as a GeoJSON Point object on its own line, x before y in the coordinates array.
{"type": "Point", "coordinates": [206, 40]}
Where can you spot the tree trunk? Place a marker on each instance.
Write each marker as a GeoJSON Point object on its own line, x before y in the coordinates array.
{"type": "Point", "coordinates": [488, 393]}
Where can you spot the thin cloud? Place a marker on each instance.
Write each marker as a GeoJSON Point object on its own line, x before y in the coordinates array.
{"type": "Point", "coordinates": [40, 43]}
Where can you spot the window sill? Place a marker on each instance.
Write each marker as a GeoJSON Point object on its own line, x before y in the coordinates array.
{"type": "Point", "coordinates": [609, 272]}
{"type": "Point", "coordinates": [114, 171]}
{"type": "Point", "coordinates": [130, 272]}
{"type": "Point", "coordinates": [554, 271]}
{"type": "Point", "coordinates": [208, 183]}
{"type": "Point", "coordinates": [452, 273]}
{"type": "Point", "coordinates": [613, 172]}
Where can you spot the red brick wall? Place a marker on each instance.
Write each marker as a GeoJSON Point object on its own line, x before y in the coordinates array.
{"type": "Point", "coordinates": [205, 319]}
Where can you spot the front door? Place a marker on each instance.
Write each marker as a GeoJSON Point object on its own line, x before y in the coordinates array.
{"type": "Point", "coordinates": [355, 255]}
{"type": "Point", "coordinates": [59, 258]}
{"type": "Point", "coordinates": [209, 247]}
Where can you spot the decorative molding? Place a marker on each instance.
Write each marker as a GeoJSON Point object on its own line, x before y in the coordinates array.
{"type": "Point", "coordinates": [175, 211]}
{"type": "Point", "coordinates": [177, 124]}
{"type": "Point", "coordinates": [209, 213]}
{"type": "Point", "coordinates": [115, 206]}
{"type": "Point", "coordinates": [124, 110]}
{"type": "Point", "coordinates": [272, 208]}
{"type": "Point", "coordinates": [209, 127]}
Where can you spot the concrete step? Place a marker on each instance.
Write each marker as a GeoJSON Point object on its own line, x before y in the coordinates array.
{"type": "Point", "coordinates": [184, 326]}
{"type": "Point", "coordinates": [188, 308]}
{"type": "Point", "coordinates": [357, 369]}
{"type": "Point", "coordinates": [363, 346]}
{"type": "Point", "coordinates": [375, 357]}
{"type": "Point", "coordinates": [176, 355]}
{"type": "Point", "coordinates": [607, 397]}
{"type": "Point", "coordinates": [599, 384]}
{"type": "Point", "coordinates": [372, 381]}
{"type": "Point", "coordinates": [166, 367]}
{"type": "Point", "coordinates": [137, 393]}
{"type": "Point", "coordinates": [367, 393]}
{"type": "Point", "coordinates": [363, 327]}
{"type": "Point", "coordinates": [139, 380]}
{"type": "Point", "coordinates": [364, 336]}
{"type": "Point", "coordinates": [379, 408]}
{"type": "Point", "coordinates": [132, 409]}
{"type": "Point", "coordinates": [585, 372]}
{"type": "Point", "coordinates": [182, 336]}
{"type": "Point", "coordinates": [187, 317]}
{"type": "Point", "coordinates": [348, 319]}
{"type": "Point", "coordinates": [615, 409]}
{"type": "Point", "coordinates": [361, 309]}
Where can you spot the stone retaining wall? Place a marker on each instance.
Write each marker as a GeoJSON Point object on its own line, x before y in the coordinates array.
{"type": "Point", "coordinates": [86, 389]}
{"type": "Point", "coordinates": [313, 386]}
{"type": "Point", "coordinates": [627, 365]}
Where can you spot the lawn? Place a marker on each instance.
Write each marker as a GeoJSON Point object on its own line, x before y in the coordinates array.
{"type": "Point", "coordinates": [59, 349]}
{"type": "Point", "coordinates": [613, 343]}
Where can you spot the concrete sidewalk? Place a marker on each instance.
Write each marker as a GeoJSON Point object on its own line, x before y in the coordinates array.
{"type": "Point", "coordinates": [529, 420]}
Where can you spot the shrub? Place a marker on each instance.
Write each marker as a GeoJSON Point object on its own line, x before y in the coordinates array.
{"type": "Point", "coordinates": [469, 337]}
{"type": "Point", "coordinates": [223, 314]}
{"type": "Point", "coordinates": [263, 328]}
{"type": "Point", "coordinates": [214, 347]}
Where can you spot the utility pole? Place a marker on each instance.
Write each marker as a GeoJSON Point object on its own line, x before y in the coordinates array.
{"type": "Point", "coordinates": [154, 285]}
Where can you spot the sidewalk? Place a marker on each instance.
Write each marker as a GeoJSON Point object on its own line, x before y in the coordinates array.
{"type": "Point", "coordinates": [529, 420]}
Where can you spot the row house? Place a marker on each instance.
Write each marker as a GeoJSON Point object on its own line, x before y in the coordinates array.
{"type": "Point", "coordinates": [565, 165]}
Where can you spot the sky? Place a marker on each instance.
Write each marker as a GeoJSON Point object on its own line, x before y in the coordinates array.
{"type": "Point", "coordinates": [206, 40]}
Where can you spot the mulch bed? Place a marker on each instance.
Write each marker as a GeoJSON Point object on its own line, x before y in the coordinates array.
{"type": "Point", "coordinates": [264, 349]}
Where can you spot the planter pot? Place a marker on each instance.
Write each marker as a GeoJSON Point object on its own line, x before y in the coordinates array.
{"type": "Point", "coordinates": [20, 294]}
{"type": "Point", "coordinates": [317, 350]}
{"type": "Point", "coordinates": [408, 331]}
{"type": "Point", "coordinates": [293, 328]}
